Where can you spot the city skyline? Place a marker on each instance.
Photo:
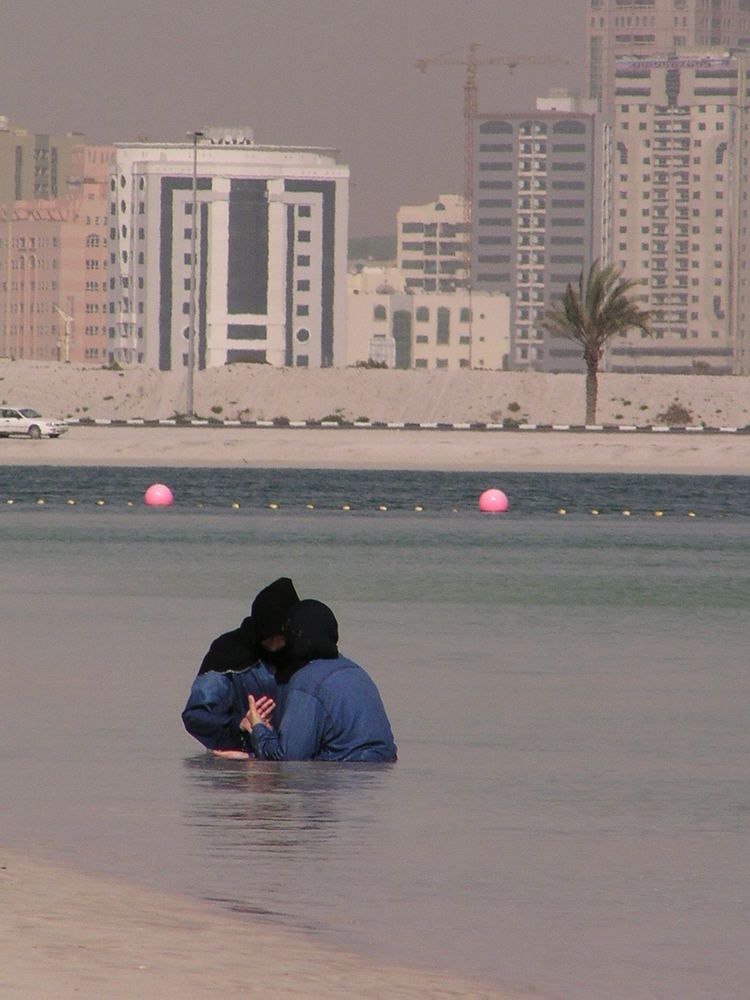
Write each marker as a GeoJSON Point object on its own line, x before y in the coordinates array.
{"type": "Point", "coordinates": [114, 73]}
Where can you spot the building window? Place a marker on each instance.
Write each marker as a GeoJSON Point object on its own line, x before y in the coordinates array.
{"type": "Point", "coordinates": [423, 314]}
{"type": "Point", "coordinates": [443, 325]}
{"type": "Point", "coordinates": [303, 335]}
{"type": "Point", "coordinates": [303, 310]}
{"type": "Point", "coordinates": [379, 313]}
{"type": "Point", "coordinates": [303, 285]}
{"type": "Point", "coordinates": [303, 260]}
{"type": "Point", "coordinates": [465, 315]}
{"type": "Point", "coordinates": [303, 236]}
{"type": "Point", "coordinates": [302, 361]}
{"type": "Point", "coordinates": [303, 211]}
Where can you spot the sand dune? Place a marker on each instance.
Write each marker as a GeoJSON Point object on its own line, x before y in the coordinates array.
{"type": "Point", "coordinates": [262, 393]}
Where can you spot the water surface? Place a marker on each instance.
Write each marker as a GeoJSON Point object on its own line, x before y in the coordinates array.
{"type": "Point", "coordinates": [570, 696]}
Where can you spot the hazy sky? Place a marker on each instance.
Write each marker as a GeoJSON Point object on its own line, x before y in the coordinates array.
{"type": "Point", "coordinates": [314, 72]}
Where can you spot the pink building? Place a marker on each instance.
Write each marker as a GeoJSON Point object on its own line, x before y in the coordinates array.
{"type": "Point", "coordinates": [53, 265]}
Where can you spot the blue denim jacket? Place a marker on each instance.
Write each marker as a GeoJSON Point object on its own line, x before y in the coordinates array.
{"type": "Point", "coordinates": [218, 701]}
{"type": "Point", "coordinates": [332, 711]}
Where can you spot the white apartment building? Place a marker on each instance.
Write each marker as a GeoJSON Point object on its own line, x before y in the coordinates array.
{"type": "Point", "coordinates": [681, 186]}
{"type": "Point", "coordinates": [271, 252]}
{"type": "Point", "coordinates": [431, 246]}
{"type": "Point", "coordinates": [617, 28]}
{"type": "Point", "coordinates": [401, 328]}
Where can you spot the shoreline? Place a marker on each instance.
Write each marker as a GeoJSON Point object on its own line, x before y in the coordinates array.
{"type": "Point", "coordinates": [387, 449]}
{"type": "Point", "coordinates": [74, 934]}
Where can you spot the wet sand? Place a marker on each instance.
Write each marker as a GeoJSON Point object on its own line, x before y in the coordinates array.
{"type": "Point", "coordinates": [67, 935]}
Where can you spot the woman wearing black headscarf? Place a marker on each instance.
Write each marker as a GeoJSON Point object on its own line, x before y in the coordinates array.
{"type": "Point", "coordinates": [238, 664]}
{"type": "Point", "coordinates": [332, 708]}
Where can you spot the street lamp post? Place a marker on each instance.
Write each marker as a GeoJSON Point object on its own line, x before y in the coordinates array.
{"type": "Point", "coordinates": [193, 271]}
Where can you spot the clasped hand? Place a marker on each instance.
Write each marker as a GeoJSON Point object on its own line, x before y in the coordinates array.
{"type": "Point", "coordinates": [259, 711]}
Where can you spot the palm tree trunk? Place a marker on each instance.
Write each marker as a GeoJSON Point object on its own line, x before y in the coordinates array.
{"type": "Point", "coordinates": [592, 390]}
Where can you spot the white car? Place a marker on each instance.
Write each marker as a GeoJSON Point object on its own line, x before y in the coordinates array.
{"type": "Point", "coordinates": [24, 420]}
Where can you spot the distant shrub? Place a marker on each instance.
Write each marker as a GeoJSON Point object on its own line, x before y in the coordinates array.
{"type": "Point", "coordinates": [675, 415]}
{"type": "Point", "coordinates": [334, 418]}
{"type": "Point", "coordinates": [514, 407]}
{"type": "Point", "coordinates": [217, 409]}
{"type": "Point", "coordinates": [107, 398]}
{"type": "Point", "coordinates": [371, 363]}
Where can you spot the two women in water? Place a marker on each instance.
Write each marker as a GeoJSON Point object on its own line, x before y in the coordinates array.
{"type": "Point", "coordinates": [303, 700]}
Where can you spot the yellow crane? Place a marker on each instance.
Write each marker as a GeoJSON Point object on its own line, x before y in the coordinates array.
{"type": "Point", "coordinates": [472, 60]}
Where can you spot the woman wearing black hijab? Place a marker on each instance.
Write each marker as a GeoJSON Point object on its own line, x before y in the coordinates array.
{"type": "Point", "coordinates": [238, 664]}
{"type": "Point", "coordinates": [332, 708]}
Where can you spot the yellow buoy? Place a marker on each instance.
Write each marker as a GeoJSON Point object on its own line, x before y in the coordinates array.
{"type": "Point", "coordinates": [10, 500]}
{"type": "Point", "coordinates": [658, 513]}
{"type": "Point", "coordinates": [273, 506]}
{"type": "Point", "coordinates": [345, 506]}
{"type": "Point", "coordinates": [310, 506]}
{"type": "Point", "coordinates": [40, 501]}
{"type": "Point", "coordinates": [382, 507]}
{"type": "Point", "coordinates": [691, 513]}
{"type": "Point", "coordinates": [99, 503]}
{"type": "Point", "coordinates": [235, 505]}
{"type": "Point", "coordinates": [561, 510]}
{"type": "Point", "coordinates": [626, 513]}
{"type": "Point", "coordinates": [70, 501]}
{"type": "Point", "coordinates": [418, 507]}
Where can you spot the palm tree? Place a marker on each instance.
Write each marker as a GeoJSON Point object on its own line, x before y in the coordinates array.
{"type": "Point", "coordinates": [592, 315]}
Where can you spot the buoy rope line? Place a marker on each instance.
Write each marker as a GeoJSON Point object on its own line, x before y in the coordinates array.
{"type": "Point", "coordinates": [283, 424]}
{"type": "Point", "coordinates": [417, 508]}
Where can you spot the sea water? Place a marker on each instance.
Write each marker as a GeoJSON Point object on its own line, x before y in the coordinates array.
{"type": "Point", "coordinates": [570, 694]}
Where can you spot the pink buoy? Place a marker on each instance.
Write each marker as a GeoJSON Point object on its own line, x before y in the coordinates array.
{"type": "Point", "coordinates": [493, 502]}
{"type": "Point", "coordinates": [158, 495]}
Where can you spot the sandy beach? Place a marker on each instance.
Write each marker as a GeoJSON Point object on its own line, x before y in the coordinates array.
{"type": "Point", "coordinates": [73, 935]}
{"type": "Point", "coordinates": [255, 393]}
{"type": "Point", "coordinates": [502, 451]}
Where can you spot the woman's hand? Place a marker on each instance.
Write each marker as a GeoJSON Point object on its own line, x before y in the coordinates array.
{"type": "Point", "coordinates": [258, 712]}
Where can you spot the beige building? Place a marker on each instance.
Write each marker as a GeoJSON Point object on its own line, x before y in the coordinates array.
{"type": "Point", "coordinates": [616, 28]}
{"type": "Point", "coordinates": [53, 266]}
{"type": "Point", "coordinates": [431, 247]}
{"type": "Point", "coordinates": [681, 184]}
{"type": "Point", "coordinates": [35, 166]}
{"type": "Point", "coordinates": [386, 324]}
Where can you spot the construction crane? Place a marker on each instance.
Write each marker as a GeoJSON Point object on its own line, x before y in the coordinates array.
{"type": "Point", "coordinates": [472, 60]}
{"type": "Point", "coordinates": [66, 339]}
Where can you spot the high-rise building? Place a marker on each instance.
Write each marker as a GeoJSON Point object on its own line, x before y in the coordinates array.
{"type": "Point", "coordinates": [53, 260]}
{"type": "Point", "coordinates": [34, 166]}
{"type": "Point", "coordinates": [432, 245]}
{"type": "Point", "coordinates": [541, 215]}
{"type": "Point", "coordinates": [270, 242]}
{"type": "Point", "coordinates": [649, 28]}
{"type": "Point", "coordinates": [681, 187]}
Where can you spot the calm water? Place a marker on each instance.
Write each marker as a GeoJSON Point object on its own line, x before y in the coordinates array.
{"type": "Point", "coordinates": [570, 695]}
